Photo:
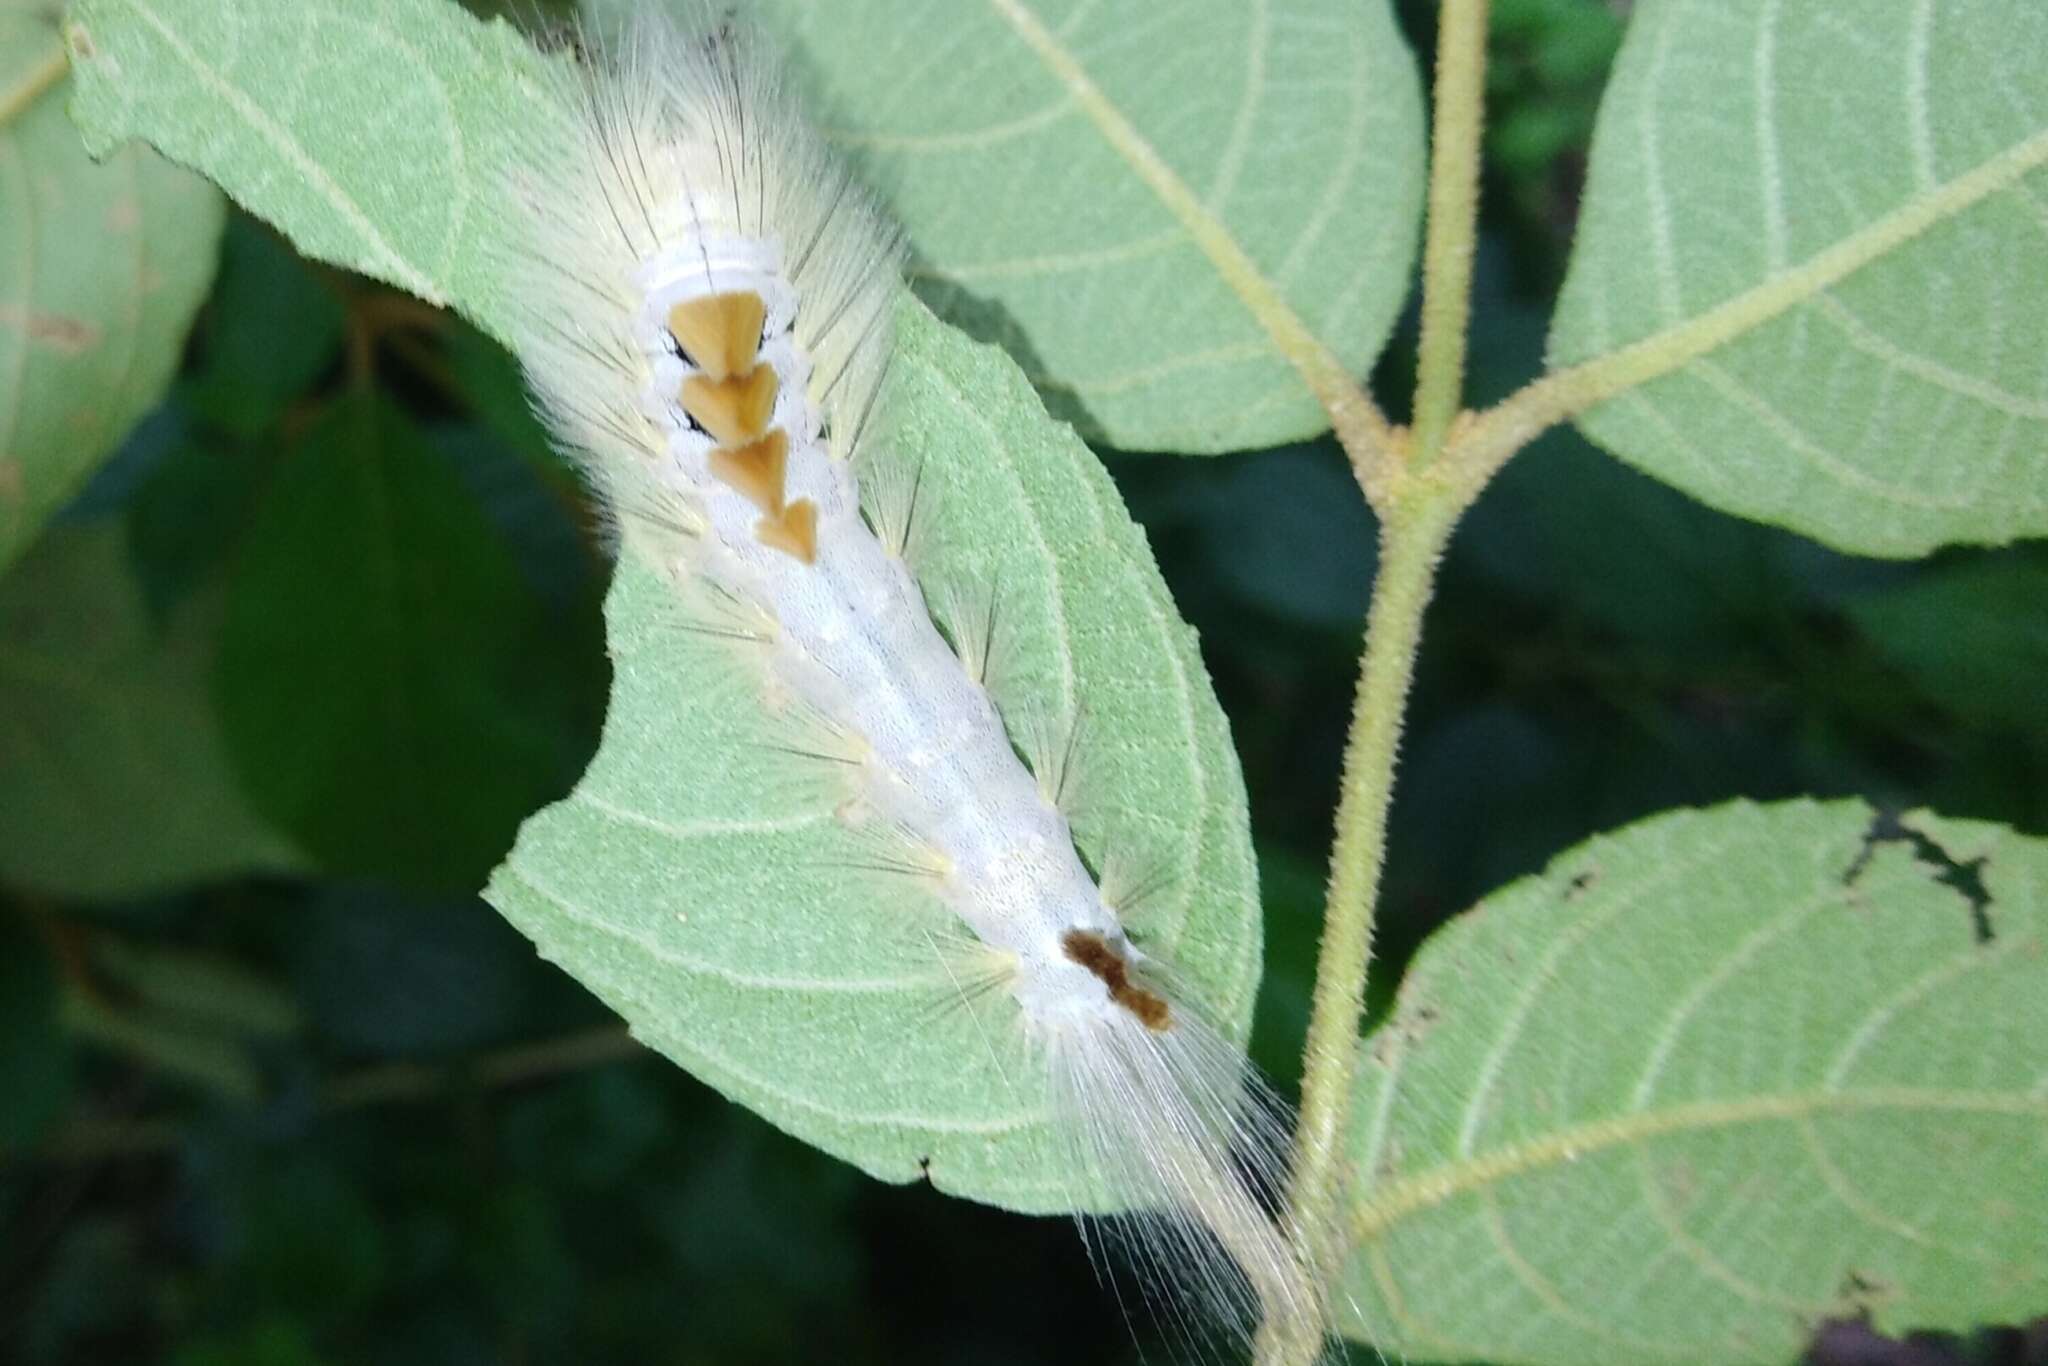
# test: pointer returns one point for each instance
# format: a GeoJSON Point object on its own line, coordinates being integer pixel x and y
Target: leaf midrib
{"type": "Point", "coordinates": [1561, 394]}
{"type": "Point", "coordinates": [1385, 1206]}
{"type": "Point", "coordinates": [1321, 371]}
{"type": "Point", "coordinates": [39, 79]}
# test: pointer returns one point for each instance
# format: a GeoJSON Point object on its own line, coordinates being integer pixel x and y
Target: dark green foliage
{"type": "Point", "coordinates": [271, 329]}
{"type": "Point", "coordinates": [386, 678]}
{"type": "Point", "coordinates": [384, 974]}
{"type": "Point", "coordinates": [35, 1054]}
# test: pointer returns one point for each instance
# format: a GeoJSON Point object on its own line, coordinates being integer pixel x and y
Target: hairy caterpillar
{"type": "Point", "coordinates": [704, 304]}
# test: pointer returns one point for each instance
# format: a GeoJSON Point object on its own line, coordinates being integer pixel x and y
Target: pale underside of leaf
{"type": "Point", "coordinates": [1192, 224]}
{"type": "Point", "coordinates": [1708, 1082]}
{"type": "Point", "coordinates": [702, 880]}
{"type": "Point", "coordinates": [698, 879]}
{"type": "Point", "coordinates": [371, 132]}
{"type": "Point", "coordinates": [101, 269]}
{"type": "Point", "coordinates": [1813, 267]}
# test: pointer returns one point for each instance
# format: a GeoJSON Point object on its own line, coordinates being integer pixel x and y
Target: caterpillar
{"type": "Point", "coordinates": [703, 300]}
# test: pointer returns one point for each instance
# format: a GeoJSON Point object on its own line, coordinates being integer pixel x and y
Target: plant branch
{"type": "Point", "coordinates": [1460, 111]}
{"type": "Point", "coordinates": [386, 1083]}
{"type": "Point", "coordinates": [1415, 527]}
{"type": "Point", "coordinates": [1358, 423]}
{"type": "Point", "coordinates": [1499, 432]}
{"type": "Point", "coordinates": [1419, 505]}
{"type": "Point", "coordinates": [1417, 511]}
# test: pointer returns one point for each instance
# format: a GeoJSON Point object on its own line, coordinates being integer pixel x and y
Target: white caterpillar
{"type": "Point", "coordinates": [705, 301]}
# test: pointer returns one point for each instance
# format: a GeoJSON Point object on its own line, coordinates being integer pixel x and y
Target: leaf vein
{"type": "Point", "coordinates": [1721, 973]}
{"type": "Point", "coordinates": [1972, 958]}
{"type": "Point", "coordinates": [1919, 108]}
{"type": "Point", "coordinates": [1235, 145]}
{"type": "Point", "coordinates": [1524, 1003]}
{"type": "Point", "coordinates": [704, 967]}
{"type": "Point", "coordinates": [1768, 158]}
{"type": "Point", "coordinates": [703, 828]}
{"type": "Point", "coordinates": [1409, 1195]}
{"type": "Point", "coordinates": [1867, 340]}
{"type": "Point", "coordinates": [1547, 1294]}
{"type": "Point", "coordinates": [1327, 377]}
{"type": "Point", "coordinates": [969, 138]}
{"type": "Point", "coordinates": [1850, 1198]}
{"type": "Point", "coordinates": [267, 128]}
{"type": "Point", "coordinates": [1768, 415]}
{"type": "Point", "coordinates": [1703, 1257]}
{"type": "Point", "coordinates": [1054, 263]}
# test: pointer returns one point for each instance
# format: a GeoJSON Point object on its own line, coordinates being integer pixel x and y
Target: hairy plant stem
{"type": "Point", "coordinates": [1417, 508]}
{"type": "Point", "coordinates": [1459, 115]}
{"type": "Point", "coordinates": [1419, 481]}
{"type": "Point", "coordinates": [1413, 532]}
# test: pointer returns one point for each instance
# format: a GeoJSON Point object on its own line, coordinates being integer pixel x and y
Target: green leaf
{"type": "Point", "coordinates": [1298, 135]}
{"type": "Point", "coordinates": [703, 889]}
{"type": "Point", "coordinates": [186, 516]}
{"type": "Point", "coordinates": [117, 780]}
{"type": "Point", "coordinates": [368, 131]}
{"type": "Point", "coordinates": [304, 1240]}
{"type": "Point", "coordinates": [192, 1051]}
{"type": "Point", "coordinates": [390, 975]}
{"type": "Point", "coordinates": [101, 268]}
{"type": "Point", "coordinates": [1297, 130]}
{"type": "Point", "coordinates": [36, 1062]}
{"type": "Point", "coordinates": [392, 692]}
{"type": "Point", "coordinates": [1708, 1081]}
{"type": "Point", "coordinates": [1564, 524]}
{"type": "Point", "coordinates": [1849, 214]}
{"type": "Point", "coordinates": [273, 328]}
{"type": "Point", "coordinates": [277, 1341]}
{"type": "Point", "coordinates": [195, 987]}
{"type": "Point", "coordinates": [96, 1276]}
{"type": "Point", "coordinates": [1971, 637]}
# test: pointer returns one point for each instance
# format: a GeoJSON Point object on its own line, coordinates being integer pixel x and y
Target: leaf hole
{"type": "Point", "coordinates": [1965, 879]}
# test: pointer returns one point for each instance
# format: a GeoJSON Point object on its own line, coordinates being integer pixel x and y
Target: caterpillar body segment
{"type": "Point", "coordinates": [704, 297]}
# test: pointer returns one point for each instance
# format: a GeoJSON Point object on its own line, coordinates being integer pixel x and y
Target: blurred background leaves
{"type": "Point", "coordinates": [101, 267]}
{"type": "Point", "coordinates": [276, 1090]}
